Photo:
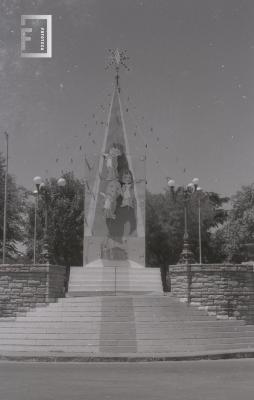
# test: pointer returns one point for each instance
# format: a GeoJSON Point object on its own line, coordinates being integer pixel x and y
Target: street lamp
{"type": "Point", "coordinates": [171, 184]}
{"type": "Point", "coordinates": [40, 189]}
{"type": "Point", "coordinates": [5, 194]}
{"type": "Point", "coordinates": [37, 181]}
{"type": "Point", "coordinates": [199, 190]}
{"type": "Point", "coordinates": [186, 256]}
{"type": "Point", "coordinates": [61, 182]}
{"type": "Point", "coordinates": [195, 182]}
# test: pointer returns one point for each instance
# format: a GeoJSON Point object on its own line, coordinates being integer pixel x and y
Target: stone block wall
{"type": "Point", "coordinates": [224, 290]}
{"type": "Point", "coordinates": [23, 287]}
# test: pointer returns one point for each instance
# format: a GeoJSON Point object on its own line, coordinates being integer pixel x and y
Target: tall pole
{"type": "Point", "coordinates": [5, 194]}
{"type": "Point", "coordinates": [84, 228]}
{"type": "Point", "coordinates": [199, 231]}
{"type": "Point", "coordinates": [186, 236]}
{"type": "Point", "coordinates": [35, 223]}
{"type": "Point", "coordinates": [186, 256]}
{"type": "Point", "coordinates": [45, 239]}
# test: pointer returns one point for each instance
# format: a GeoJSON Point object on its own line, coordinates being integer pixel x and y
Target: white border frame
{"type": "Point", "coordinates": [48, 17]}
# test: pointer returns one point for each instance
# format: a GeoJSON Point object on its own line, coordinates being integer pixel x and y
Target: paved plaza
{"type": "Point", "coordinates": [200, 380]}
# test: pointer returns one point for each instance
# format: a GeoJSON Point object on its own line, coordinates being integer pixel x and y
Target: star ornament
{"type": "Point", "coordinates": [118, 58]}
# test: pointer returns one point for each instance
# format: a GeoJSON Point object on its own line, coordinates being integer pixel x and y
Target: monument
{"type": "Point", "coordinates": [114, 223]}
{"type": "Point", "coordinates": [114, 228]}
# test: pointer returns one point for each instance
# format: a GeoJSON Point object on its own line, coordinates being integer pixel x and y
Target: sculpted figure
{"type": "Point", "coordinates": [128, 190]}
{"type": "Point", "coordinates": [111, 162]}
{"type": "Point", "coordinates": [113, 190]}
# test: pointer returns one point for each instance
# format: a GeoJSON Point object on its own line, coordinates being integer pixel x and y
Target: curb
{"type": "Point", "coordinates": [88, 358]}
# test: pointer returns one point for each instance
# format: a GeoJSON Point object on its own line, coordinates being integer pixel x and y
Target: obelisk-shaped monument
{"type": "Point", "coordinates": [115, 208]}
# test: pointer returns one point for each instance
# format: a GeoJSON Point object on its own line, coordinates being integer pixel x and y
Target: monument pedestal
{"type": "Point", "coordinates": [125, 252]}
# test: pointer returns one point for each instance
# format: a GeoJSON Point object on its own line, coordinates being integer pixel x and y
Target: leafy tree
{"type": "Point", "coordinates": [239, 228]}
{"type": "Point", "coordinates": [59, 222]}
{"type": "Point", "coordinates": [165, 225]}
{"type": "Point", "coordinates": [16, 209]}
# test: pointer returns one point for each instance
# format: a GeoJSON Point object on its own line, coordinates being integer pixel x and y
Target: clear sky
{"type": "Point", "coordinates": [190, 88]}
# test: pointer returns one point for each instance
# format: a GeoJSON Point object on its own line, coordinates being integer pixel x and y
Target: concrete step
{"type": "Point", "coordinates": [117, 288]}
{"type": "Point", "coordinates": [111, 314]}
{"type": "Point", "coordinates": [94, 349]}
{"type": "Point", "coordinates": [89, 304]}
{"type": "Point", "coordinates": [140, 325]}
{"type": "Point", "coordinates": [111, 293]}
{"type": "Point", "coordinates": [106, 273]}
{"type": "Point", "coordinates": [152, 336]}
{"type": "Point", "coordinates": [27, 341]}
{"type": "Point", "coordinates": [117, 282]}
{"type": "Point", "coordinates": [72, 348]}
{"type": "Point", "coordinates": [118, 278]}
{"type": "Point", "coordinates": [94, 282]}
{"type": "Point", "coordinates": [139, 314]}
{"type": "Point", "coordinates": [156, 299]}
{"type": "Point", "coordinates": [52, 326]}
{"type": "Point", "coordinates": [138, 310]}
{"type": "Point", "coordinates": [108, 276]}
{"type": "Point", "coordinates": [127, 269]}
{"type": "Point", "coordinates": [112, 287]}
{"type": "Point", "coordinates": [111, 319]}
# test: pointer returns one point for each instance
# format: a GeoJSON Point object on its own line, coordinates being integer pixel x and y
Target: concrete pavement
{"type": "Point", "coordinates": [200, 380]}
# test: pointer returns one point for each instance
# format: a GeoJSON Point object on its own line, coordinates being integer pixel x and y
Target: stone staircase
{"type": "Point", "coordinates": [135, 325]}
{"type": "Point", "coordinates": [114, 280]}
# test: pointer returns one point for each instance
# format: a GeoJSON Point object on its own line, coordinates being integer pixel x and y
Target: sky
{"type": "Point", "coordinates": [189, 93]}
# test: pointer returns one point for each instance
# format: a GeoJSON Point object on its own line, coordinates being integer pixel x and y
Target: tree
{"type": "Point", "coordinates": [16, 209]}
{"type": "Point", "coordinates": [60, 222]}
{"type": "Point", "coordinates": [239, 227]}
{"type": "Point", "coordinates": [165, 225]}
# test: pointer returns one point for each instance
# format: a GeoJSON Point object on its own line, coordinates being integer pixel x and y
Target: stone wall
{"type": "Point", "coordinates": [23, 287]}
{"type": "Point", "coordinates": [225, 290]}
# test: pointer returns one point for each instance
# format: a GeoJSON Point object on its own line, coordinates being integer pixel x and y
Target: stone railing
{"type": "Point", "coordinates": [224, 290]}
{"type": "Point", "coordinates": [23, 287]}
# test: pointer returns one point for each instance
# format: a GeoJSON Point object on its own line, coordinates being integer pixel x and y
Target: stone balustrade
{"type": "Point", "coordinates": [23, 287]}
{"type": "Point", "coordinates": [224, 290]}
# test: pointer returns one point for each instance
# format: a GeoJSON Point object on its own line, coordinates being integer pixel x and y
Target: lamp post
{"type": "Point", "coordinates": [61, 182]}
{"type": "Point", "coordinates": [199, 190]}
{"type": "Point", "coordinates": [85, 222]}
{"type": "Point", "coordinates": [45, 251]}
{"type": "Point", "coordinates": [41, 189]}
{"type": "Point", "coordinates": [186, 256]}
{"type": "Point", "coordinates": [201, 196]}
{"type": "Point", "coordinates": [5, 194]}
{"type": "Point", "coordinates": [37, 181]}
